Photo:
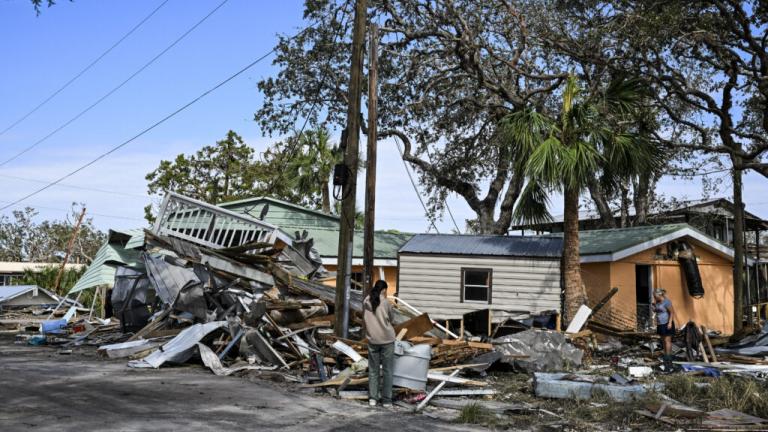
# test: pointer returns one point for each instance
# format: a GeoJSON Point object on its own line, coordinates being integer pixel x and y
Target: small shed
{"type": "Point", "coordinates": [447, 276]}
{"type": "Point", "coordinates": [21, 296]}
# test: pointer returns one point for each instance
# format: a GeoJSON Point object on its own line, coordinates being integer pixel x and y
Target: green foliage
{"type": "Point", "coordinates": [591, 137]}
{"type": "Point", "coordinates": [46, 278]}
{"type": "Point", "coordinates": [222, 172]}
{"type": "Point", "coordinates": [297, 170]}
{"type": "Point", "coordinates": [300, 169]}
{"type": "Point", "coordinates": [23, 239]}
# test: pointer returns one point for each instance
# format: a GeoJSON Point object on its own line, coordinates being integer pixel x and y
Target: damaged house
{"type": "Point", "coordinates": [323, 228]}
{"type": "Point", "coordinates": [448, 276]}
{"type": "Point", "coordinates": [695, 269]}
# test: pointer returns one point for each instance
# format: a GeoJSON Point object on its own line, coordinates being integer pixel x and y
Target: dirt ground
{"type": "Point", "coordinates": [43, 390]}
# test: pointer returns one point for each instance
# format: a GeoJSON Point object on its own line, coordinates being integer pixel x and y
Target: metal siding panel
{"type": "Point", "coordinates": [433, 284]}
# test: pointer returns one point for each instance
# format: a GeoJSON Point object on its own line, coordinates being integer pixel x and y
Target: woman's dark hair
{"type": "Point", "coordinates": [375, 295]}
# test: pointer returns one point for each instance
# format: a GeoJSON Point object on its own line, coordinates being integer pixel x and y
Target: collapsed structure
{"type": "Point", "coordinates": [239, 294]}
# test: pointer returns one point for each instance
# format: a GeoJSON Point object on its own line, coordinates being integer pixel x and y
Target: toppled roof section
{"type": "Point", "coordinates": [485, 245]}
{"type": "Point", "coordinates": [11, 292]}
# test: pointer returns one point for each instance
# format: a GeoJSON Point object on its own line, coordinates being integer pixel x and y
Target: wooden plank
{"type": "Point", "coordinates": [709, 344]}
{"type": "Point", "coordinates": [415, 326]}
{"type": "Point", "coordinates": [454, 379]}
{"type": "Point", "coordinates": [434, 392]}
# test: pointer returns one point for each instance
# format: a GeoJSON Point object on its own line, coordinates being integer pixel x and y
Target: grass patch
{"type": "Point", "coordinates": [737, 393]}
{"type": "Point", "coordinates": [475, 413]}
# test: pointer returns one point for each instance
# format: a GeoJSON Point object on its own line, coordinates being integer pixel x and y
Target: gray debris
{"type": "Point", "coordinates": [545, 351]}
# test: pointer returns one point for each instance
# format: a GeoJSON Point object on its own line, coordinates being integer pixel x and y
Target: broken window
{"type": "Point", "coordinates": [476, 285]}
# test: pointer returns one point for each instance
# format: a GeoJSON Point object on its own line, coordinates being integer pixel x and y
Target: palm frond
{"type": "Point", "coordinates": [581, 161]}
{"type": "Point", "coordinates": [525, 129]}
{"type": "Point", "coordinates": [546, 162]}
{"type": "Point", "coordinates": [625, 95]}
{"type": "Point", "coordinates": [532, 206]}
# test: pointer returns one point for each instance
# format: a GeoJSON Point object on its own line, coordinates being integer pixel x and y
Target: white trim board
{"type": "Point", "coordinates": [378, 262]}
{"type": "Point", "coordinates": [718, 247]}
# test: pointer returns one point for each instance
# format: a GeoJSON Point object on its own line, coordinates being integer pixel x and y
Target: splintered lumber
{"type": "Point", "coordinates": [451, 352]}
{"type": "Point", "coordinates": [323, 292]}
{"type": "Point", "coordinates": [158, 323]}
{"type": "Point", "coordinates": [236, 268]}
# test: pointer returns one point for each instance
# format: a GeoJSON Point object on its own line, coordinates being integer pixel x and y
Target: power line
{"type": "Point", "coordinates": [413, 183]}
{"type": "Point", "coordinates": [101, 99]}
{"type": "Point", "coordinates": [144, 131]}
{"type": "Point", "coordinates": [71, 186]}
{"type": "Point", "coordinates": [86, 69]}
{"type": "Point", "coordinates": [35, 206]}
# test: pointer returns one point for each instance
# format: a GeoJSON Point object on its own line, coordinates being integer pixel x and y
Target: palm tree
{"type": "Point", "coordinates": [312, 165]}
{"type": "Point", "coordinates": [592, 133]}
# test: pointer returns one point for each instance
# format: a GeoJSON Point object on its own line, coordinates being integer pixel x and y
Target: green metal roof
{"type": "Point", "coordinates": [385, 244]}
{"type": "Point", "coordinates": [100, 272]}
{"type": "Point", "coordinates": [283, 214]}
{"type": "Point", "coordinates": [606, 241]}
{"type": "Point", "coordinates": [323, 228]}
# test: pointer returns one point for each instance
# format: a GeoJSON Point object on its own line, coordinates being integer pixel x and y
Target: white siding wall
{"type": "Point", "coordinates": [432, 284]}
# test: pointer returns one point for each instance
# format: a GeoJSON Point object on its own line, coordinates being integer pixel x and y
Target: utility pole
{"type": "Point", "coordinates": [351, 149]}
{"type": "Point", "coordinates": [738, 247]}
{"type": "Point", "coordinates": [370, 170]}
{"type": "Point", "coordinates": [70, 243]}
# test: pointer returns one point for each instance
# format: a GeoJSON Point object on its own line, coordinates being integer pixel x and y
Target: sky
{"type": "Point", "coordinates": [41, 53]}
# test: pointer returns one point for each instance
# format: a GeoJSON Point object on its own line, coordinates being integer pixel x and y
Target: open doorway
{"type": "Point", "coordinates": [643, 284]}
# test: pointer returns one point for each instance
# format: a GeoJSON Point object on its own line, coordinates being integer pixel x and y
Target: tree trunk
{"type": "Point", "coordinates": [571, 268]}
{"type": "Point", "coordinates": [485, 222]}
{"type": "Point", "coordinates": [642, 191]}
{"type": "Point", "coordinates": [738, 249]}
{"type": "Point", "coordinates": [326, 196]}
{"type": "Point", "coordinates": [601, 202]}
{"type": "Point", "coordinates": [624, 204]}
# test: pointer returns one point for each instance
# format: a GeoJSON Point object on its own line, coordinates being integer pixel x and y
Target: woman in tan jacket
{"type": "Point", "coordinates": [377, 314]}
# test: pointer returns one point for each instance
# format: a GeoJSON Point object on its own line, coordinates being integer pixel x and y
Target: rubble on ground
{"type": "Point", "coordinates": [260, 307]}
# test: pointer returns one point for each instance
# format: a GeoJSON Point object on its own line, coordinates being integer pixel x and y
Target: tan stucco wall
{"type": "Point", "coordinates": [390, 275]}
{"type": "Point", "coordinates": [714, 310]}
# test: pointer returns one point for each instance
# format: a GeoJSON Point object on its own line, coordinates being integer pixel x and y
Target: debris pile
{"type": "Point", "coordinates": [242, 297]}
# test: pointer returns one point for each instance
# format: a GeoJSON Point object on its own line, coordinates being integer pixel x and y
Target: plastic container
{"type": "Point", "coordinates": [411, 365]}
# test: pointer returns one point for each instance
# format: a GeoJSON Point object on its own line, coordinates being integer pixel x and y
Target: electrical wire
{"type": "Point", "coordinates": [35, 206]}
{"type": "Point", "coordinates": [84, 70]}
{"type": "Point", "coordinates": [119, 86]}
{"type": "Point", "coordinates": [413, 183]}
{"type": "Point", "coordinates": [141, 133]}
{"type": "Point", "coordinates": [71, 186]}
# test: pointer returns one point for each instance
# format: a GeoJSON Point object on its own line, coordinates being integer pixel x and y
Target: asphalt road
{"type": "Point", "coordinates": [42, 390]}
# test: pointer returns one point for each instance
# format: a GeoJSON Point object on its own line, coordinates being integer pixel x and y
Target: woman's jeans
{"type": "Point", "coordinates": [380, 360]}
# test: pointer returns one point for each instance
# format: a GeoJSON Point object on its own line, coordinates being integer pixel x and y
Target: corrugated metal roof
{"type": "Point", "coordinates": [100, 272]}
{"type": "Point", "coordinates": [594, 242]}
{"type": "Point", "coordinates": [12, 291]}
{"type": "Point", "coordinates": [486, 245]}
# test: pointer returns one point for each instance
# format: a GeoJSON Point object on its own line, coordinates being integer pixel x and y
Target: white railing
{"type": "Point", "coordinates": [210, 226]}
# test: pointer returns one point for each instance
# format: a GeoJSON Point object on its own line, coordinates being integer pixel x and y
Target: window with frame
{"type": "Point", "coordinates": [476, 285]}
{"type": "Point", "coordinates": [356, 281]}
